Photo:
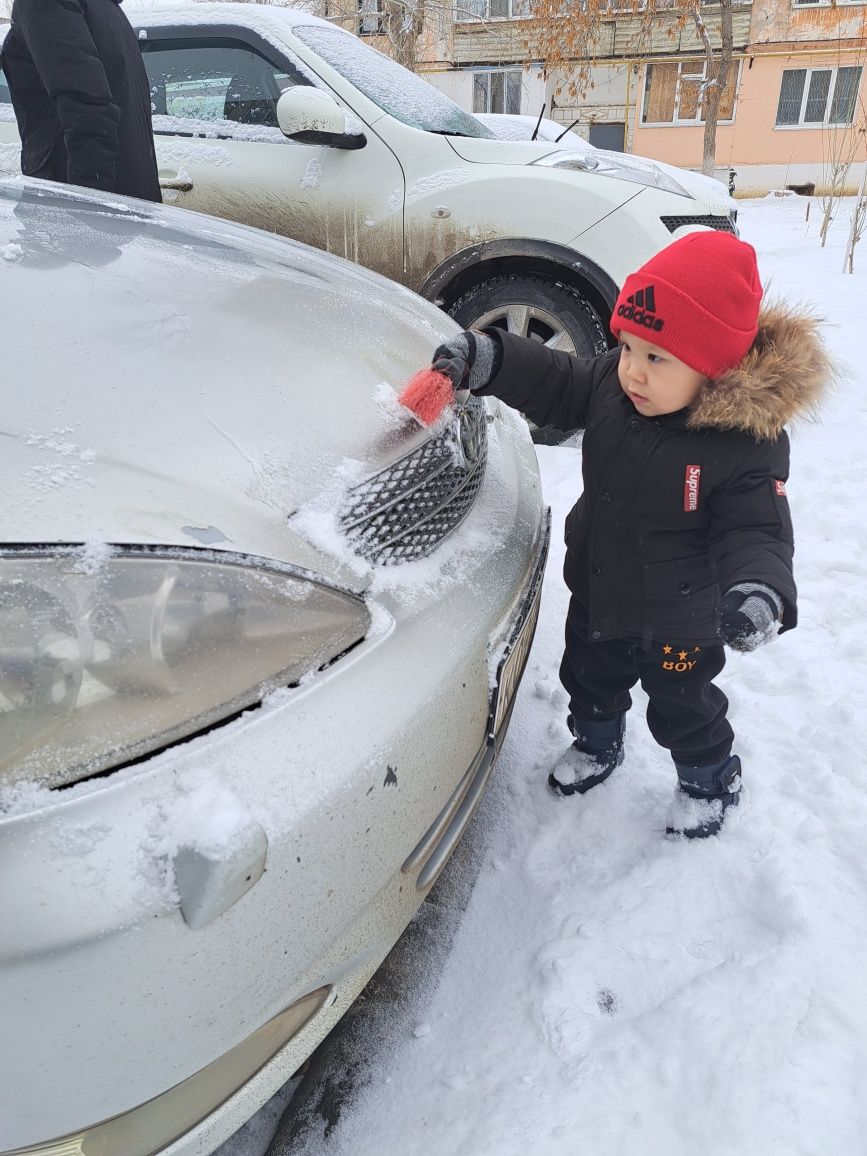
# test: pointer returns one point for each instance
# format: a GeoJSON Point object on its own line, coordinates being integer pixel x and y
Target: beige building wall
{"type": "Point", "coordinates": [763, 155]}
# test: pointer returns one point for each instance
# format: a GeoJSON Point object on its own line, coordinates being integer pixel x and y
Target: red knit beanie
{"type": "Point", "coordinates": [698, 299]}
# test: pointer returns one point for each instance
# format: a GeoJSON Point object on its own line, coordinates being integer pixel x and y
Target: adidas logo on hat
{"type": "Point", "coordinates": [640, 308]}
{"type": "Point", "coordinates": [710, 292]}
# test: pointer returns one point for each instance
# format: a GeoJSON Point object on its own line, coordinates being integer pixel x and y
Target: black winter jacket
{"type": "Point", "coordinates": [81, 96]}
{"type": "Point", "coordinates": [678, 508]}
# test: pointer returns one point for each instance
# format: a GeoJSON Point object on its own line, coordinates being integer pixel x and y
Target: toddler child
{"type": "Point", "coordinates": [681, 541]}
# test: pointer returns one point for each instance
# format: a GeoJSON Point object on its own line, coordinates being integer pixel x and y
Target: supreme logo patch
{"type": "Point", "coordinates": [691, 486]}
{"type": "Point", "coordinates": [780, 488]}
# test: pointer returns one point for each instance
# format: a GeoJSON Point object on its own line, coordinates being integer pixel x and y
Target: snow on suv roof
{"type": "Point", "coordinates": [258, 17]}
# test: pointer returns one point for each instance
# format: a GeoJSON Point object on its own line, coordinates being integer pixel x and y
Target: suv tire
{"type": "Point", "coordinates": [540, 308]}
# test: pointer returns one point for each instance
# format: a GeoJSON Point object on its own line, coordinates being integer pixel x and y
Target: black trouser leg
{"type": "Point", "coordinates": [687, 713]}
{"type": "Point", "coordinates": [597, 676]}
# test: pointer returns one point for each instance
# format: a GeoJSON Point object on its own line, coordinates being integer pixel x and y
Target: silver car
{"type": "Point", "coordinates": [260, 636]}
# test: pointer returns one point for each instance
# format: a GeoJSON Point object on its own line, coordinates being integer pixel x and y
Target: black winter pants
{"type": "Point", "coordinates": [687, 713]}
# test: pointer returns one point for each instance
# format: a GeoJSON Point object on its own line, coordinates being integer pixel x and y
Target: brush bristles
{"type": "Point", "coordinates": [427, 395]}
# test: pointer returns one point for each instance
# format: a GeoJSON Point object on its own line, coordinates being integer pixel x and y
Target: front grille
{"type": "Point", "coordinates": [724, 224]}
{"type": "Point", "coordinates": [406, 510]}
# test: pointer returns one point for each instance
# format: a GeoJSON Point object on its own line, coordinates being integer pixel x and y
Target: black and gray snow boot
{"type": "Point", "coordinates": [596, 751]}
{"type": "Point", "coordinates": [703, 796]}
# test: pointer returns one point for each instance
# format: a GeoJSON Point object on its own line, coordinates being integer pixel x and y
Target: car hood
{"type": "Point", "coordinates": [176, 379]}
{"type": "Point", "coordinates": [487, 151]}
{"type": "Point", "coordinates": [710, 191]}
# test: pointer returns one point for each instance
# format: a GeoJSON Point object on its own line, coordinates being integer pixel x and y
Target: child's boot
{"type": "Point", "coordinates": [703, 796]}
{"type": "Point", "coordinates": [596, 751]}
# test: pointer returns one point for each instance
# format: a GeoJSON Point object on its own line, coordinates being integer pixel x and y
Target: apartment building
{"type": "Point", "coordinates": [794, 105]}
{"type": "Point", "coordinates": [479, 57]}
{"type": "Point", "coordinates": [794, 110]}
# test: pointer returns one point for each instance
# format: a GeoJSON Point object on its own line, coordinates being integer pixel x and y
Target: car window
{"type": "Point", "coordinates": [388, 84]}
{"type": "Point", "coordinates": [214, 81]}
{"type": "Point", "coordinates": [5, 98]}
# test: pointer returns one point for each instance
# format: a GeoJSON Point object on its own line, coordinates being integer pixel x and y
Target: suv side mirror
{"type": "Point", "coordinates": [310, 116]}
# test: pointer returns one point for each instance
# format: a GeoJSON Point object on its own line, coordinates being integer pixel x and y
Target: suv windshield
{"type": "Point", "coordinates": [394, 88]}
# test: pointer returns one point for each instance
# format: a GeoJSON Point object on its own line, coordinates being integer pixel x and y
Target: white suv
{"type": "Point", "coordinates": [274, 118]}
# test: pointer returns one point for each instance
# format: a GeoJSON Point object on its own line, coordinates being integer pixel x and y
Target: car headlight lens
{"type": "Point", "coordinates": [103, 661]}
{"type": "Point", "coordinates": [638, 170]}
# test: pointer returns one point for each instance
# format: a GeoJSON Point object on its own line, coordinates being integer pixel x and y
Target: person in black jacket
{"type": "Point", "coordinates": [81, 96]}
{"type": "Point", "coordinates": [681, 540]}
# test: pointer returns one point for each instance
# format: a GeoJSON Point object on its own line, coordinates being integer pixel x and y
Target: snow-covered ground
{"type": "Point", "coordinates": [611, 991]}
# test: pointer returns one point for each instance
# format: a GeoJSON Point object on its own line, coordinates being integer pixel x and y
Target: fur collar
{"type": "Point", "coordinates": [782, 376]}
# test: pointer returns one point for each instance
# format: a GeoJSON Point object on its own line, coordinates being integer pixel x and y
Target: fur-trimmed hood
{"type": "Point", "coordinates": [782, 376]}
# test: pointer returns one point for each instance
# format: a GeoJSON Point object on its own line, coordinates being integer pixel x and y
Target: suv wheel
{"type": "Point", "coordinates": [539, 308]}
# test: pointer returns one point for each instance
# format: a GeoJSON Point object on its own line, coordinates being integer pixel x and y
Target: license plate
{"type": "Point", "coordinates": [517, 650]}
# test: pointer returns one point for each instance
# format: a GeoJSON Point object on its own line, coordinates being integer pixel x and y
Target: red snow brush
{"type": "Point", "coordinates": [427, 395]}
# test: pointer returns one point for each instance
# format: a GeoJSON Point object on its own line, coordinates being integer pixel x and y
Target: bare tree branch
{"type": "Point", "coordinates": [570, 39]}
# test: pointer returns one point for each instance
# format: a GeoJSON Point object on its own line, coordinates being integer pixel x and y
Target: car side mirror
{"type": "Point", "coordinates": [310, 116]}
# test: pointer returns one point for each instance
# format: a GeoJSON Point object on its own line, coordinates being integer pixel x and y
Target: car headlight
{"type": "Point", "coordinates": [638, 170]}
{"type": "Point", "coordinates": [104, 659]}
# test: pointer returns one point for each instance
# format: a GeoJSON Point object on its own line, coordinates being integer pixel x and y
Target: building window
{"type": "Point", "coordinates": [491, 9]}
{"type": "Point", "coordinates": [498, 91]}
{"type": "Point", "coordinates": [672, 94]}
{"type": "Point", "coordinates": [370, 18]}
{"type": "Point", "coordinates": [817, 96]}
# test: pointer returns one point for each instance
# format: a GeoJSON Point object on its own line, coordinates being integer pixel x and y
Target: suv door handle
{"type": "Point", "coordinates": [182, 182]}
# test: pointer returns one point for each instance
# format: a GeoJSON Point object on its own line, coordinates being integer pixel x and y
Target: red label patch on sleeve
{"type": "Point", "coordinates": [779, 488]}
{"type": "Point", "coordinates": [691, 486]}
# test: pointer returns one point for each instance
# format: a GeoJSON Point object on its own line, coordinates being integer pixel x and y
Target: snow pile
{"type": "Point", "coordinates": [10, 156]}
{"type": "Point", "coordinates": [312, 174]}
{"type": "Point", "coordinates": [615, 992]}
{"type": "Point", "coordinates": [510, 126]}
{"type": "Point", "coordinates": [92, 556]}
{"type": "Point", "coordinates": [437, 183]}
{"type": "Point", "coordinates": [182, 152]}
{"type": "Point", "coordinates": [209, 818]}
{"type": "Point", "coordinates": [319, 519]}
{"type": "Point", "coordinates": [66, 461]}
{"type": "Point", "coordinates": [409, 583]}
{"type": "Point", "coordinates": [214, 125]}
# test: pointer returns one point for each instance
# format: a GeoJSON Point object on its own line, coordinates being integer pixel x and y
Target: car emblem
{"type": "Point", "coordinates": [469, 437]}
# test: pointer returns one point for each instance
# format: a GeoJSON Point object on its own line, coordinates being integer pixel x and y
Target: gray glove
{"type": "Point", "coordinates": [467, 360]}
{"type": "Point", "coordinates": [749, 615]}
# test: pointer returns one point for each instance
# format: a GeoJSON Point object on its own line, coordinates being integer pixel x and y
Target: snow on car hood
{"type": "Point", "coordinates": [515, 126]}
{"type": "Point", "coordinates": [171, 378]}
